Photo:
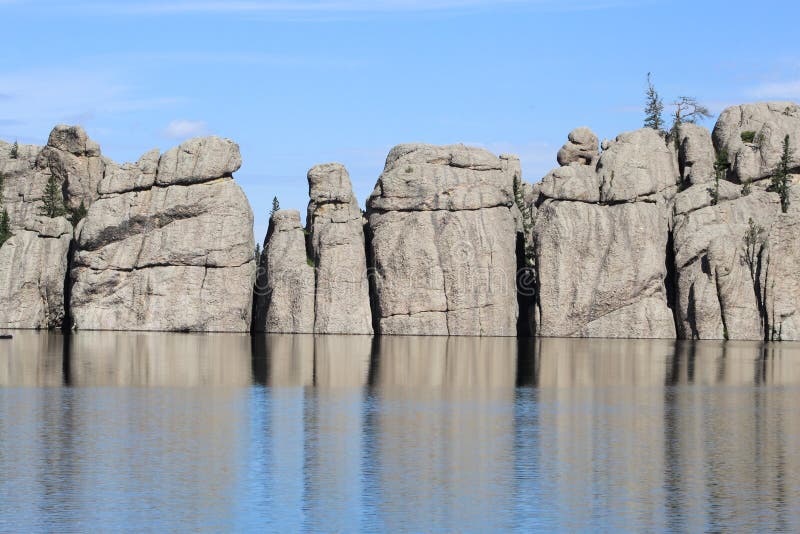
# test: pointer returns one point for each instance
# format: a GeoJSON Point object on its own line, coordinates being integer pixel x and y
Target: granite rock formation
{"type": "Point", "coordinates": [752, 135]}
{"type": "Point", "coordinates": [601, 235]}
{"type": "Point", "coordinates": [34, 261]}
{"type": "Point", "coordinates": [443, 242]}
{"type": "Point", "coordinates": [167, 245]}
{"type": "Point", "coordinates": [285, 286]}
{"type": "Point", "coordinates": [336, 234]}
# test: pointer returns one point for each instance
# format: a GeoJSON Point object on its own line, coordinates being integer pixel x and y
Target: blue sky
{"type": "Point", "coordinates": [301, 82]}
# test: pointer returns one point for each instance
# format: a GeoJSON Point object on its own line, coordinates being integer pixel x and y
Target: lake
{"type": "Point", "coordinates": [219, 432]}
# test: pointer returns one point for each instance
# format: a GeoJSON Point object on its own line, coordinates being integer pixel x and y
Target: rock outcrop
{"type": "Point", "coordinates": [581, 147]}
{"type": "Point", "coordinates": [168, 245]}
{"type": "Point", "coordinates": [34, 261]}
{"type": "Point", "coordinates": [443, 242]}
{"type": "Point", "coordinates": [285, 286]}
{"type": "Point", "coordinates": [601, 235]}
{"type": "Point", "coordinates": [752, 135]}
{"type": "Point", "coordinates": [336, 230]}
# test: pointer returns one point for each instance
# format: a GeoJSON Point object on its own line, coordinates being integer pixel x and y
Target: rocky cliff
{"type": "Point", "coordinates": [168, 245]}
{"type": "Point", "coordinates": [647, 235]}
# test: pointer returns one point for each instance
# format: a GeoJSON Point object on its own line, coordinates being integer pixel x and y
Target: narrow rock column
{"type": "Point", "coordinates": [285, 287]}
{"type": "Point", "coordinates": [336, 228]}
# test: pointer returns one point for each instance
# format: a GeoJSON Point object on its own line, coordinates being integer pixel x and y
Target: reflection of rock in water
{"type": "Point", "coordinates": [32, 359]}
{"type": "Point", "coordinates": [334, 415]}
{"type": "Point", "coordinates": [444, 419]}
{"type": "Point", "coordinates": [160, 359]}
{"type": "Point", "coordinates": [283, 360]}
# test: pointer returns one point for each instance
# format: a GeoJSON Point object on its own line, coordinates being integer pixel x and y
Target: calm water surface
{"type": "Point", "coordinates": [143, 431]}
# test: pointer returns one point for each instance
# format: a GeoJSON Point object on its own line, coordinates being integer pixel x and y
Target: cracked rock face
{"type": "Point", "coordinates": [767, 123]}
{"type": "Point", "coordinates": [33, 263]}
{"type": "Point", "coordinates": [717, 296]}
{"type": "Point", "coordinates": [336, 228]}
{"type": "Point", "coordinates": [696, 155]}
{"type": "Point", "coordinates": [285, 286]}
{"type": "Point", "coordinates": [444, 242]}
{"type": "Point", "coordinates": [601, 237]}
{"type": "Point", "coordinates": [171, 251]}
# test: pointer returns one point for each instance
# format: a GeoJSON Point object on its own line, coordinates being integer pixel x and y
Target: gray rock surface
{"type": "Point", "coordinates": [168, 257]}
{"type": "Point", "coordinates": [716, 290]}
{"type": "Point", "coordinates": [33, 263]}
{"type": "Point", "coordinates": [601, 270]}
{"type": "Point", "coordinates": [444, 242]}
{"type": "Point", "coordinates": [637, 164]}
{"type": "Point", "coordinates": [336, 229]}
{"type": "Point", "coordinates": [285, 286]}
{"type": "Point", "coordinates": [696, 155]}
{"type": "Point", "coordinates": [770, 122]}
{"type": "Point", "coordinates": [581, 147]}
{"type": "Point", "coordinates": [600, 236]}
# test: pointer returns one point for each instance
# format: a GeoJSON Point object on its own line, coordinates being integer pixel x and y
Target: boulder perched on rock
{"type": "Point", "coordinates": [696, 155]}
{"type": "Point", "coordinates": [601, 236]}
{"type": "Point", "coordinates": [637, 164]}
{"type": "Point", "coordinates": [173, 251]}
{"type": "Point", "coordinates": [336, 229]}
{"type": "Point", "coordinates": [752, 135]}
{"type": "Point", "coordinates": [284, 296]}
{"type": "Point", "coordinates": [581, 147]}
{"type": "Point", "coordinates": [443, 242]}
{"type": "Point", "coordinates": [33, 262]}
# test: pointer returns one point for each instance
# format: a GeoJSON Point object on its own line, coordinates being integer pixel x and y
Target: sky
{"type": "Point", "coordinates": [302, 82]}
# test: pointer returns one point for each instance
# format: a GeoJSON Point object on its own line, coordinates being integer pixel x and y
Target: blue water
{"type": "Point", "coordinates": [180, 432]}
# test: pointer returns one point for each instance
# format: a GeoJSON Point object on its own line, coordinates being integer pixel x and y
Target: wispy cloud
{"type": "Point", "coordinates": [182, 129]}
{"type": "Point", "coordinates": [34, 100]}
{"type": "Point", "coordinates": [790, 89]}
{"type": "Point", "coordinates": [345, 6]}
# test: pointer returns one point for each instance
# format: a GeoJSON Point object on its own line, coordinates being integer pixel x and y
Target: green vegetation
{"type": "Point", "coordinates": [746, 188]}
{"type": "Point", "coordinates": [753, 241]}
{"type": "Point", "coordinates": [5, 221]}
{"type": "Point", "coordinates": [748, 136]}
{"type": "Point", "coordinates": [409, 169]}
{"type": "Point", "coordinates": [53, 200]}
{"type": "Point", "coordinates": [780, 178]}
{"type": "Point", "coordinates": [76, 214]}
{"type": "Point", "coordinates": [14, 150]}
{"type": "Point", "coordinates": [721, 166]}
{"type": "Point", "coordinates": [275, 205]}
{"type": "Point", "coordinates": [653, 108]}
{"type": "Point", "coordinates": [527, 219]}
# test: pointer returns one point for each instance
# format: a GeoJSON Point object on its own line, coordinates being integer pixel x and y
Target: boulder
{"type": "Point", "coordinates": [696, 155]}
{"type": "Point", "coordinates": [637, 164]}
{"type": "Point", "coordinates": [581, 148]}
{"type": "Point", "coordinates": [336, 229]}
{"type": "Point", "coordinates": [752, 135]}
{"type": "Point", "coordinates": [284, 296]}
{"type": "Point", "coordinates": [168, 257]}
{"type": "Point", "coordinates": [443, 242]}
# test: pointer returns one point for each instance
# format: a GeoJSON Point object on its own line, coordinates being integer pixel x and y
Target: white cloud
{"type": "Point", "coordinates": [182, 129]}
{"type": "Point", "coordinates": [789, 89]}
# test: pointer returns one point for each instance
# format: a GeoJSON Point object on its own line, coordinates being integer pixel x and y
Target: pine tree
{"type": "Point", "coordinates": [76, 214]}
{"type": "Point", "coordinates": [53, 199]}
{"type": "Point", "coordinates": [780, 178]}
{"type": "Point", "coordinates": [721, 166]}
{"type": "Point", "coordinates": [275, 205]}
{"type": "Point", "coordinates": [527, 219]}
{"type": "Point", "coordinates": [654, 107]}
{"type": "Point", "coordinates": [14, 150]}
{"type": "Point", "coordinates": [5, 227]}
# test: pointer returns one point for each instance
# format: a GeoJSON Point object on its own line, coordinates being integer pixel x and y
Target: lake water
{"type": "Point", "coordinates": [147, 431]}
